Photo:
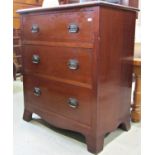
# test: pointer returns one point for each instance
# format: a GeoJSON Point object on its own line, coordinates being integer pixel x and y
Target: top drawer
{"type": "Point", "coordinates": [59, 26]}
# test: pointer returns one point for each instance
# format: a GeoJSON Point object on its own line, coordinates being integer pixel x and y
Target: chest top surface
{"type": "Point", "coordinates": [77, 5]}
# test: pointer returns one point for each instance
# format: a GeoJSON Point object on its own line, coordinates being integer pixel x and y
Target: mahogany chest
{"type": "Point", "coordinates": [77, 66]}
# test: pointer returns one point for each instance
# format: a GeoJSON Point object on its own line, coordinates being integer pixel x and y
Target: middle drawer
{"type": "Point", "coordinates": [72, 64]}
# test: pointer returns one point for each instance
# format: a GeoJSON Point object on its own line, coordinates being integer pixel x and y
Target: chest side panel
{"type": "Point", "coordinates": [117, 29]}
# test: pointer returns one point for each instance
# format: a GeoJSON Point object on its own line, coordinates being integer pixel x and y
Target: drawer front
{"type": "Point", "coordinates": [72, 64]}
{"type": "Point", "coordinates": [66, 100]}
{"type": "Point", "coordinates": [59, 26]}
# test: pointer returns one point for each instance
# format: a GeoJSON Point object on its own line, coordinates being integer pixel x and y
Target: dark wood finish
{"type": "Point", "coordinates": [59, 23]}
{"type": "Point", "coordinates": [103, 90]}
{"type": "Point", "coordinates": [55, 98]}
{"type": "Point", "coordinates": [58, 58]}
{"type": "Point", "coordinates": [19, 4]}
{"type": "Point", "coordinates": [27, 115]}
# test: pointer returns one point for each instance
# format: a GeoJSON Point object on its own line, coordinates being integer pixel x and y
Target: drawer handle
{"type": "Point", "coordinates": [73, 64]}
{"type": "Point", "coordinates": [73, 28]}
{"type": "Point", "coordinates": [37, 91]}
{"type": "Point", "coordinates": [35, 59]}
{"type": "Point", "coordinates": [35, 28]}
{"type": "Point", "coordinates": [73, 102]}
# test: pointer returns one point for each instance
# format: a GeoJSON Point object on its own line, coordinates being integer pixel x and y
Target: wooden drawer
{"type": "Point", "coordinates": [66, 100]}
{"type": "Point", "coordinates": [66, 64]}
{"type": "Point", "coordinates": [59, 27]}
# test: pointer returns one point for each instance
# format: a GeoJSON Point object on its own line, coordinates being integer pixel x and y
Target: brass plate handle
{"type": "Point", "coordinates": [35, 59]}
{"type": "Point", "coordinates": [37, 91]}
{"type": "Point", "coordinates": [73, 28]}
{"type": "Point", "coordinates": [35, 28]}
{"type": "Point", "coordinates": [73, 103]}
{"type": "Point", "coordinates": [73, 64]}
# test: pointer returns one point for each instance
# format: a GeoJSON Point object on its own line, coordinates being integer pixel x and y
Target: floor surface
{"type": "Point", "coordinates": [39, 138]}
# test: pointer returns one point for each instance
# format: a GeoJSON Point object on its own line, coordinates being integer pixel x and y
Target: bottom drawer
{"type": "Point", "coordinates": [71, 102]}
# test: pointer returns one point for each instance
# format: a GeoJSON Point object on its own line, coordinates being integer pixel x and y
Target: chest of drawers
{"type": "Point", "coordinates": [77, 66]}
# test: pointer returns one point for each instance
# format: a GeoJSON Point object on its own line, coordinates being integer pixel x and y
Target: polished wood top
{"type": "Point", "coordinates": [78, 5]}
